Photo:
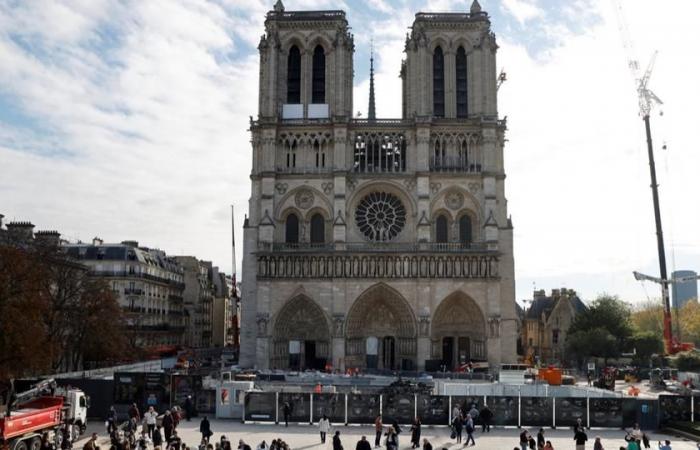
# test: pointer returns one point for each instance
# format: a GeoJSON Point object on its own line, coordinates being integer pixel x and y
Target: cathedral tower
{"type": "Point", "coordinates": [377, 243]}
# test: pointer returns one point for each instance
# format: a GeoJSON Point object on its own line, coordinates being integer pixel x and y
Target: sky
{"type": "Point", "coordinates": [128, 120]}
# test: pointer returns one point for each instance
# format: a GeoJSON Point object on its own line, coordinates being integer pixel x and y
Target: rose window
{"type": "Point", "coordinates": [380, 216]}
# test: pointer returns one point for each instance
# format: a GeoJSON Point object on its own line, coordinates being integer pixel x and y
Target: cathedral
{"type": "Point", "coordinates": [377, 243]}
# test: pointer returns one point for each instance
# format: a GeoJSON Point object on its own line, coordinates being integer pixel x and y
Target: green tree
{"type": "Point", "coordinates": [611, 317]}
{"type": "Point", "coordinates": [646, 344]}
{"type": "Point", "coordinates": [597, 342]}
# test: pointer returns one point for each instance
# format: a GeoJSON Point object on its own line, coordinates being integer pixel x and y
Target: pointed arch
{"type": "Point", "coordinates": [301, 320]}
{"type": "Point", "coordinates": [294, 75]}
{"type": "Point", "coordinates": [318, 75]}
{"type": "Point", "coordinates": [458, 330]}
{"type": "Point", "coordinates": [461, 80]}
{"type": "Point", "coordinates": [438, 82]}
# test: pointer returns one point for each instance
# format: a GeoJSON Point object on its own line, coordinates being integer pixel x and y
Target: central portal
{"type": "Point", "coordinates": [380, 331]}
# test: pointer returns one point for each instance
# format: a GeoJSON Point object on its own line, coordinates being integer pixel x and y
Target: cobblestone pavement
{"type": "Point", "coordinates": [303, 437]}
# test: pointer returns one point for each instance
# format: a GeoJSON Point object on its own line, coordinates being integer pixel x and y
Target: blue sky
{"type": "Point", "coordinates": [128, 120]}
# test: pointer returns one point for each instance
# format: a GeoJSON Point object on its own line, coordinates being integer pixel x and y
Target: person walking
{"type": "Point", "coordinates": [457, 428]}
{"type": "Point", "coordinates": [540, 439]}
{"type": "Point", "coordinates": [392, 439]}
{"type": "Point", "coordinates": [286, 411]}
{"type": "Point", "coordinates": [363, 444]}
{"type": "Point", "coordinates": [263, 446]}
{"type": "Point", "coordinates": [469, 428]}
{"type": "Point", "coordinates": [91, 444]}
{"type": "Point", "coordinates": [486, 415]}
{"type": "Point", "coordinates": [168, 425]}
{"type": "Point", "coordinates": [597, 445]}
{"type": "Point", "coordinates": [666, 445]}
{"type": "Point", "coordinates": [337, 445]}
{"type": "Point", "coordinates": [645, 440]}
{"type": "Point", "coordinates": [427, 445]}
{"type": "Point", "coordinates": [189, 408]}
{"type": "Point", "coordinates": [112, 421]}
{"type": "Point", "coordinates": [378, 429]}
{"type": "Point", "coordinates": [134, 412]}
{"type": "Point", "coordinates": [580, 438]}
{"type": "Point", "coordinates": [548, 445]}
{"type": "Point", "coordinates": [324, 426]}
{"type": "Point", "coordinates": [157, 437]}
{"type": "Point", "coordinates": [205, 429]}
{"type": "Point", "coordinates": [150, 418]}
{"type": "Point", "coordinates": [524, 438]}
{"type": "Point", "coordinates": [415, 433]}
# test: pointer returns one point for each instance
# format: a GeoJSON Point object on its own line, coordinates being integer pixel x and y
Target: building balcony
{"type": "Point", "coordinates": [378, 260]}
{"type": "Point", "coordinates": [143, 276]}
{"type": "Point", "coordinates": [128, 291]}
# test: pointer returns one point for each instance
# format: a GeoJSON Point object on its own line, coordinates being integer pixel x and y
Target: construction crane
{"type": "Point", "coordinates": [647, 99]}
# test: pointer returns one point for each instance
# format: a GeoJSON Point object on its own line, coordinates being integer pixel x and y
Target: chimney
{"type": "Point", "coordinates": [23, 231]}
{"type": "Point", "coordinates": [48, 237]}
{"type": "Point", "coordinates": [134, 244]}
{"type": "Point", "coordinates": [97, 241]}
{"type": "Point", "coordinates": [555, 293]}
{"type": "Point", "coordinates": [538, 294]}
{"type": "Point", "coordinates": [1, 217]}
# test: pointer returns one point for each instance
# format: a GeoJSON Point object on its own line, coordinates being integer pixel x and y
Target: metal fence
{"type": "Point", "coordinates": [508, 410]}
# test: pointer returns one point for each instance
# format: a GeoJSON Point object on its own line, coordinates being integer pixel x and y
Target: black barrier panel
{"type": "Point", "coordinates": [399, 407]}
{"type": "Point", "coordinates": [99, 391]}
{"type": "Point", "coordinates": [206, 401]}
{"type": "Point", "coordinates": [362, 408]}
{"type": "Point", "coordinates": [696, 400]}
{"type": "Point", "coordinates": [332, 405]}
{"type": "Point", "coordinates": [182, 386]}
{"type": "Point", "coordinates": [674, 408]}
{"type": "Point", "coordinates": [629, 412]}
{"type": "Point", "coordinates": [465, 403]}
{"type": "Point", "coordinates": [504, 409]}
{"type": "Point", "coordinates": [568, 410]}
{"type": "Point", "coordinates": [606, 412]}
{"type": "Point", "coordinates": [299, 404]}
{"type": "Point", "coordinates": [434, 409]}
{"type": "Point", "coordinates": [536, 411]}
{"type": "Point", "coordinates": [260, 406]}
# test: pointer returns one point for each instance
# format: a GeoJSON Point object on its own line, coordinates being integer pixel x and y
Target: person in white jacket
{"type": "Point", "coordinates": [150, 418]}
{"type": "Point", "coordinates": [324, 426]}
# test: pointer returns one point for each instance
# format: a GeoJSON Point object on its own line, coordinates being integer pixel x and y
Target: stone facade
{"type": "Point", "coordinates": [546, 322]}
{"type": "Point", "coordinates": [377, 243]}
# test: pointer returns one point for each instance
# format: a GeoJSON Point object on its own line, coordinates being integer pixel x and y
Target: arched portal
{"type": "Point", "coordinates": [381, 331]}
{"type": "Point", "coordinates": [301, 336]}
{"type": "Point", "coordinates": [458, 331]}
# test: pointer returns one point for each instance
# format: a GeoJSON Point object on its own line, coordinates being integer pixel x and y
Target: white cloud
{"type": "Point", "coordinates": [522, 10]}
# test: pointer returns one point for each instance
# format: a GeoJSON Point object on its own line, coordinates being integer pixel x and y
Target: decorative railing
{"type": "Point", "coordinates": [453, 164]}
{"type": "Point", "coordinates": [304, 266]}
{"type": "Point", "coordinates": [375, 247]}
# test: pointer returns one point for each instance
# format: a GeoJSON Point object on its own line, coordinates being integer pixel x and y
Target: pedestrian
{"type": "Point", "coordinates": [486, 416]}
{"type": "Point", "coordinates": [578, 426]}
{"type": "Point", "coordinates": [157, 437]}
{"type": "Point", "coordinates": [427, 445]}
{"type": "Point", "coordinates": [112, 421]}
{"type": "Point", "coordinates": [324, 426]}
{"type": "Point", "coordinates": [397, 430]}
{"type": "Point", "coordinates": [242, 445]}
{"type": "Point", "coordinates": [363, 444]}
{"type": "Point", "coordinates": [637, 432]}
{"type": "Point", "coordinates": [150, 418]}
{"type": "Point", "coordinates": [91, 444]}
{"type": "Point", "coordinates": [597, 445]}
{"type": "Point", "coordinates": [226, 444]}
{"type": "Point", "coordinates": [524, 435]}
{"type": "Point", "coordinates": [392, 439]}
{"type": "Point", "coordinates": [378, 429]}
{"type": "Point", "coordinates": [540, 439]}
{"type": "Point", "coordinates": [469, 428]}
{"type": "Point", "coordinates": [531, 442]}
{"type": "Point", "coordinates": [205, 429]}
{"type": "Point", "coordinates": [474, 412]}
{"type": "Point", "coordinates": [134, 412]}
{"type": "Point", "coordinates": [337, 445]}
{"type": "Point", "coordinates": [455, 411]}
{"type": "Point", "coordinates": [666, 445]}
{"type": "Point", "coordinates": [188, 407]}
{"type": "Point", "coordinates": [457, 428]}
{"type": "Point", "coordinates": [176, 416]}
{"type": "Point", "coordinates": [144, 441]}
{"type": "Point", "coordinates": [168, 425]}
{"type": "Point", "coordinates": [548, 446]}
{"type": "Point", "coordinates": [286, 411]}
{"type": "Point", "coordinates": [174, 440]}
{"type": "Point", "coordinates": [580, 438]}
{"type": "Point", "coordinates": [263, 446]}
{"type": "Point", "coordinates": [415, 433]}
{"type": "Point", "coordinates": [645, 440]}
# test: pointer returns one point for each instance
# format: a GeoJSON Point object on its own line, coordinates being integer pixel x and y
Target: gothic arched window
{"type": "Point", "coordinates": [318, 232]}
{"type": "Point", "coordinates": [441, 229]}
{"type": "Point", "coordinates": [291, 229]}
{"type": "Point", "coordinates": [294, 75]}
{"type": "Point", "coordinates": [318, 80]}
{"type": "Point", "coordinates": [438, 83]}
{"type": "Point", "coordinates": [461, 66]}
{"type": "Point", "coordinates": [465, 230]}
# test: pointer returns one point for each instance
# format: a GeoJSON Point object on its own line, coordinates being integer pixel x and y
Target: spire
{"type": "Point", "coordinates": [476, 7]}
{"type": "Point", "coordinates": [279, 6]}
{"type": "Point", "coordinates": [371, 111]}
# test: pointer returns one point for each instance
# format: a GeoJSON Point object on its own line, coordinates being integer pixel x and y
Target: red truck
{"type": "Point", "coordinates": [30, 414]}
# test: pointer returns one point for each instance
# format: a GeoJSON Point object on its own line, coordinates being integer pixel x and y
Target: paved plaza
{"type": "Point", "coordinates": [303, 437]}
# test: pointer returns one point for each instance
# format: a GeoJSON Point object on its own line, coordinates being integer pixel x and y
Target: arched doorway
{"type": "Point", "coordinates": [301, 336]}
{"type": "Point", "coordinates": [458, 331]}
{"type": "Point", "coordinates": [381, 331]}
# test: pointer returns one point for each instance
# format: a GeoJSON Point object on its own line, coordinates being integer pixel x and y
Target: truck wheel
{"type": "Point", "coordinates": [20, 445]}
{"type": "Point", "coordinates": [34, 443]}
